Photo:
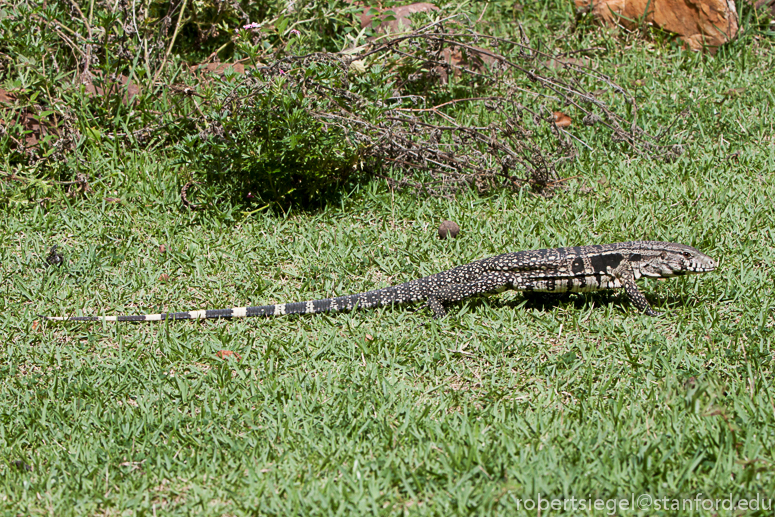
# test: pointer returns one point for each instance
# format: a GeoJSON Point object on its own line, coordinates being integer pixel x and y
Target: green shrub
{"type": "Point", "coordinates": [266, 130]}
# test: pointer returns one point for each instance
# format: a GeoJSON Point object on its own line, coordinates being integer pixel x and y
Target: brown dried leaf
{"type": "Point", "coordinates": [561, 119]}
{"type": "Point", "coordinates": [6, 96]}
{"type": "Point", "coordinates": [223, 354]}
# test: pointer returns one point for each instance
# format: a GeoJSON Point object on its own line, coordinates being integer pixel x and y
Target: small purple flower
{"type": "Point", "coordinates": [295, 32]}
{"type": "Point", "coordinates": [252, 26]}
{"type": "Point", "coordinates": [282, 72]}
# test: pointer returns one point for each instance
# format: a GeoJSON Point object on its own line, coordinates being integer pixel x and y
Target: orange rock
{"type": "Point", "coordinates": [700, 23]}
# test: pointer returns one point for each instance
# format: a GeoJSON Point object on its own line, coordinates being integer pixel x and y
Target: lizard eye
{"type": "Point", "coordinates": [687, 254]}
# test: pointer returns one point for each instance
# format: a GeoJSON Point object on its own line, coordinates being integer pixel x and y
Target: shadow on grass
{"type": "Point", "coordinates": [547, 302]}
{"type": "Point", "coordinates": [245, 192]}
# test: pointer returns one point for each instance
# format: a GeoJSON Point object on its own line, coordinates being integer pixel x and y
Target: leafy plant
{"type": "Point", "coordinates": [265, 129]}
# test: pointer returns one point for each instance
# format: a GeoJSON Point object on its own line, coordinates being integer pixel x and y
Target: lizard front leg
{"type": "Point", "coordinates": [637, 298]}
{"type": "Point", "coordinates": [624, 274]}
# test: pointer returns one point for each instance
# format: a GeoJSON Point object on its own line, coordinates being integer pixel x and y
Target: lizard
{"type": "Point", "coordinates": [556, 270]}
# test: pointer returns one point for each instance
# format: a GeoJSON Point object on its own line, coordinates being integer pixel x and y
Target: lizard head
{"type": "Point", "coordinates": [666, 259]}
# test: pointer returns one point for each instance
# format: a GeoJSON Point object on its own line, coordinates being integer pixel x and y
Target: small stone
{"type": "Point", "coordinates": [448, 229]}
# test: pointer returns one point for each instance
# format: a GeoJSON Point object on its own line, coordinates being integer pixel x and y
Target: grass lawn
{"type": "Point", "coordinates": [505, 400]}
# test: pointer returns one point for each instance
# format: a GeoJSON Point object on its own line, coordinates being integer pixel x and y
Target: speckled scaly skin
{"type": "Point", "coordinates": [558, 270]}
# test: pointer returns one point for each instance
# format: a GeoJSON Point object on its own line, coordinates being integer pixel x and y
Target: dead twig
{"type": "Point", "coordinates": [184, 198]}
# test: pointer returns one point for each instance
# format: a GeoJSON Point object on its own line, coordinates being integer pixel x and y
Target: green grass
{"type": "Point", "coordinates": [390, 411]}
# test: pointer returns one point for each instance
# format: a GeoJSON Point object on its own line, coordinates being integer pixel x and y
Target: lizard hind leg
{"type": "Point", "coordinates": [491, 282]}
{"type": "Point", "coordinates": [437, 307]}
